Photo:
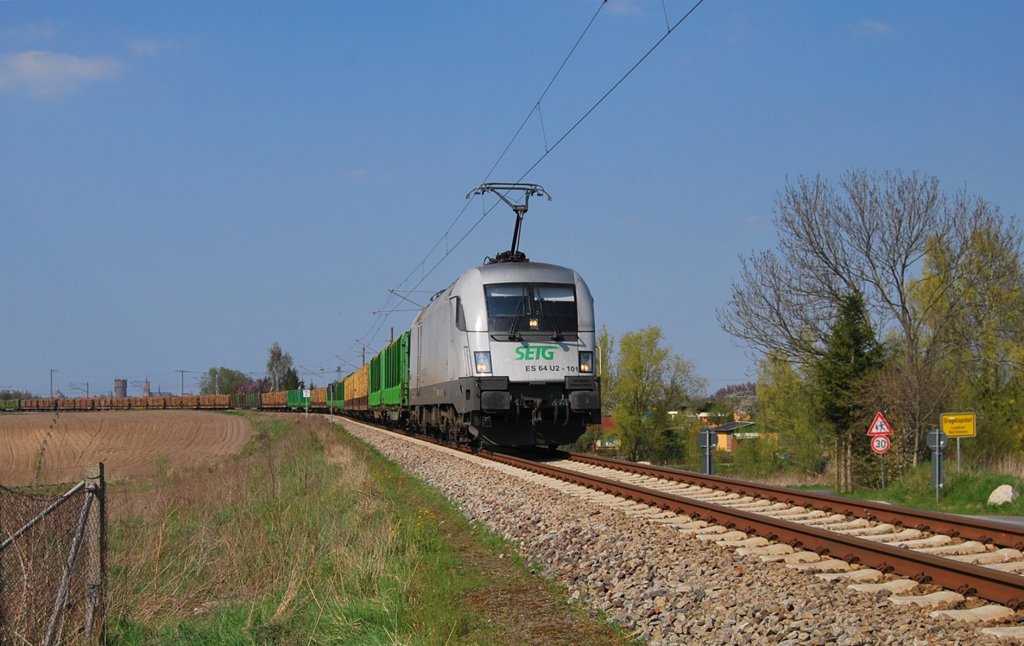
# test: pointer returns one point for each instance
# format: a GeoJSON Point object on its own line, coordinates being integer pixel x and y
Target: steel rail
{"type": "Point", "coordinates": [965, 578]}
{"type": "Point", "coordinates": [965, 527]}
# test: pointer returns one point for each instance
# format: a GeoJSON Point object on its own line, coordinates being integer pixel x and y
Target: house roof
{"type": "Point", "coordinates": [732, 427]}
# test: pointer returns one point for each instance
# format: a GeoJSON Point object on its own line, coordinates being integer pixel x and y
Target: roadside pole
{"type": "Point", "coordinates": [707, 439]}
{"type": "Point", "coordinates": [958, 425]}
{"type": "Point", "coordinates": [937, 442]}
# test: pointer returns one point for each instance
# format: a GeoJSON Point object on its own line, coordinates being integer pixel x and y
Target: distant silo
{"type": "Point", "coordinates": [120, 388]}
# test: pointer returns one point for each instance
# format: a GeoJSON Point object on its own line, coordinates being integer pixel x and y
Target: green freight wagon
{"type": "Point", "coordinates": [10, 404]}
{"type": "Point", "coordinates": [245, 400]}
{"type": "Point", "coordinates": [297, 400]}
{"type": "Point", "coordinates": [389, 379]}
{"type": "Point", "coordinates": [336, 396]}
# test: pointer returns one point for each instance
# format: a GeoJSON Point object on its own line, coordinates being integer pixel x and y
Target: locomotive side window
{"type": "Point", "coordinates": [521, 310]}
{"type": "Point", "coordinates": [460, 314]}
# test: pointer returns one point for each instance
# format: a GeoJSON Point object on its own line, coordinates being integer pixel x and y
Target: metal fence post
{"type": "Point", "coordinates": [96, 584]}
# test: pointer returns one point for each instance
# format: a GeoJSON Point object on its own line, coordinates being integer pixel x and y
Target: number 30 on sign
{"type": "Point", "coordinates": [880, 444]}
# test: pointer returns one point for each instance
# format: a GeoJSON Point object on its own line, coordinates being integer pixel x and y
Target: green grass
{"type": "Point", "coordinates": [963, 492]}
{"type": "Point", "coordinates": [311, 537]}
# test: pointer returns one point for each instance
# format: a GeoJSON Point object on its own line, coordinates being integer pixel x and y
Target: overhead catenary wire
{"type": "Point", "coordinates": [670, 29]}
{"type": "Point", "coordinates": [421, 265]}
{"type": "Point", "coordinates": [610, 90]}
{"type": "Point", "coordinates": [536, 105]}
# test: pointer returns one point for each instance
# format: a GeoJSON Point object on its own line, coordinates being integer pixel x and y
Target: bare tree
{"type": "Point", "coordinates": [280, 371]}
{"type": "Point", "coordinates": [868, 235]}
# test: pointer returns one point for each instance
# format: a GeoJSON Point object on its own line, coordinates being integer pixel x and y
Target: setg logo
{"type": "Point", "coordinates": [536, 352]}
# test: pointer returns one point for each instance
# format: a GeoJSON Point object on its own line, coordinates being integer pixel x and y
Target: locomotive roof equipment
{"type": "Point", "coordinates": [502, 189]}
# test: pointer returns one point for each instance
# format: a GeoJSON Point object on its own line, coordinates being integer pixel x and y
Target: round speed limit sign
{"type": "Point", "coordinates": [880, 444]}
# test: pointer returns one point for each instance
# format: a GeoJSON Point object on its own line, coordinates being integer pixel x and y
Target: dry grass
{"type": "Point", "coordinates": [196, 540]}
{"type": "Point", "coordinates": [312, 538]}
{"type": "Point", "coordinates": [275, 532]}
{"type": "Point", "coordinates": [40, 448]}
{"type": "Point", "coordinates": [1010, 465]}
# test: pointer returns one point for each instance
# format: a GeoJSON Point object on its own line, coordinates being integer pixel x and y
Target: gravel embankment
{"type": "Point", "coordinates": [649, 578]}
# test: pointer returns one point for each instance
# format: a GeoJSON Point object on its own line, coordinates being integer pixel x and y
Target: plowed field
{"type": "Point", "coordinates": [57, 447]}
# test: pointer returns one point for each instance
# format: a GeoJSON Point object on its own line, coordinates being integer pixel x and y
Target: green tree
{"type": "Point", "coordinates": [756, 457]}
{"type": "Point", "coordinates": [671, 445]}
{"type": "Point", "coordinates": [980, 313]}
{"type": "Point", "coordinates": [222, 381]}
{"type": "Point", "coordinates": [785, 405]}
{"type": "Point", "coordinates": [868, 234]}
{"type": "Point", "coordinates": [15, 394]}
{"type": "Point", "coordinates": [851, 356]}
{"type": "Point", "coordinates": [606, 369]}
{"type": "Point", "coordinates": [281, 370]}
{"type": "Point", "coordinates": [606, 375]}
{"type": "Point", "coordinates": [648, 381]}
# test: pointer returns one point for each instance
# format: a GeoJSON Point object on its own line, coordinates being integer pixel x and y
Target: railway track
{"type": "Point", "coordinates": [867, 540]}
{"type": "Point", "coordinates": [950, 566]}
{"type": "Point", "coordinates": [963, 527]}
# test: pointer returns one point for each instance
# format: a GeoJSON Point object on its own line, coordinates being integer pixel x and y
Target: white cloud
{"type": "Point", "coordinates": [47, 74]}
{"type": "Point", "coordinates": [152, 46]}
{"type": "Point", "coordinates": [870, 28]}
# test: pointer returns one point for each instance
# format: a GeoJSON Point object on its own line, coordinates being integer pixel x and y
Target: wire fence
{"type": "Point", "coordinates": [53, 564]}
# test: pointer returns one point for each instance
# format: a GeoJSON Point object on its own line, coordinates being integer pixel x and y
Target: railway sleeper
{"type": "Point", "coordinates": [935, 540]}
{"type": "Point", "coordinates": [967, 547]}
{"type": "Point", "coordinates": [894, 537]}
{"type": "Point", "coordinates": [859, 577]}
{"type": "Point", "coordinates": [928, 600]}
{"type": "Point", "coordinates": [1003, 555]}
{"type": "Point", "coordinates": [824, 565]}
{"type": "Point", "coordinates": [896, 586]}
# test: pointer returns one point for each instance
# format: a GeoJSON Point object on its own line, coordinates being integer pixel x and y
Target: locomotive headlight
{"type": "Point", "coordinates": [534, 324]}
{"type": "Point", "coordinates": [483, 362]}
{"type": "Point", "coordinates": [587, 361]}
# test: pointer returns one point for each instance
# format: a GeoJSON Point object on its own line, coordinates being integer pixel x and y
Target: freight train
{"type": "Point", "coordinates": [504, 356]}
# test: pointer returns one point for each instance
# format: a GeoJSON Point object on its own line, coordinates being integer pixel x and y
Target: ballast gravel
{"type": "Point", "coordinates": [660, 585]}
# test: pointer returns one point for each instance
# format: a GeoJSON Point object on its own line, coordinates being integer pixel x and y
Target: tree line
{"type": "Point", "coordinates": [885, 293]}
{"type": "Point", "coordinates": [281, 375]}
{"type": "Point", "coordinates": [644, 388]}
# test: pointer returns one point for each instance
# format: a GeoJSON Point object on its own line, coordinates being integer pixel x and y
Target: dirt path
{"type": "Point", "coordinates": [56, 447]}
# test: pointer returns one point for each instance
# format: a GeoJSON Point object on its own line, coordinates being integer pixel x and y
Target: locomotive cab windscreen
{"type": "Point", "coordinates": [531, 311]}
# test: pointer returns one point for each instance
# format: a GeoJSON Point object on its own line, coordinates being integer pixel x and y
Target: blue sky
{"type": "Point", "coordinates": [182, 184]}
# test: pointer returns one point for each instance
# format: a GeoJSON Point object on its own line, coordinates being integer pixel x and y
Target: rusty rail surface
{"type": "Point", "coordinates": [965, 578]}
{"type": "Point", "coordinates": [965, 527]}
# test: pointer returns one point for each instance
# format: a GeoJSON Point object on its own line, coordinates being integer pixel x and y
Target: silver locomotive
{"type": "Point", "coordinates": [505, 355]}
